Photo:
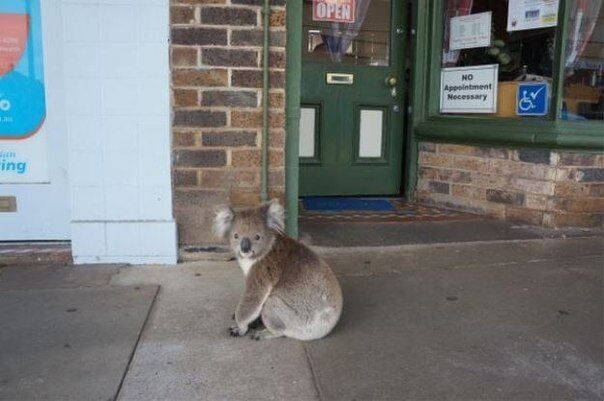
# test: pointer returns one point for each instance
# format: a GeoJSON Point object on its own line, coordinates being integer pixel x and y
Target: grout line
{"type": "Point", "coordinates": [315, 379]}
{"type": "Point", "coordinates": [134, 349]}
{"type": "Point", "coordinates": [327, 250]}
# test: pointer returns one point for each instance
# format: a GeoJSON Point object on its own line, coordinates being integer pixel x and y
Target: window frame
{"type": "Point", "coordinates": [549, 131]}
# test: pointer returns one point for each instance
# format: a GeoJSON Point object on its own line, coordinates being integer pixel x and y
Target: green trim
{"type": "Point", "coordinates": [293, 75]}
{"type": "Point", "coordinates": [430, 125]}
{"type": "Point", "coordinates": [266, 11]}
{"type": "Point", "coordinates": [417, 99]}
{"type": "Point", "coordinates": [560, 49]}
{"type": "Point", "coordinates": [534, 133]}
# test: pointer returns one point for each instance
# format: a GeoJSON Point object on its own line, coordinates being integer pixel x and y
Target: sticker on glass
{"type": "Point", "coordinates": [470, 31]}
{"type": "Point", "coordinates": [469, 89]}
{"type": "Point", "coordinates": [532, 99]}
{"type": "Point", "coordinates": [532, 14]}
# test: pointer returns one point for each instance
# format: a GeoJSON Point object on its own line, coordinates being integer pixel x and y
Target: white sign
{"type": "Point", "coordinates": [334, 10]}
{"type": "Point", "coordinates": [469, 89]}
{"type": "Point", "coordinates": [470, 31]}
{"type": "Point", "coordinates": [532, 14]}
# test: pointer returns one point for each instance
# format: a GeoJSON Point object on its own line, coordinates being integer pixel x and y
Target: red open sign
{"type": "Point", "coordinates": [333, 10]}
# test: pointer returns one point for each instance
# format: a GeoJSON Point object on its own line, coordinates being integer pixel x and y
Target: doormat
{"type": "Point", "coordinates": [398, 212]}
{"type": "Point", "coordinates": [330, 204]}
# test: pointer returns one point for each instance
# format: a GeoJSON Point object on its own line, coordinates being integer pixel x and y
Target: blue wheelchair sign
{"type": "Point", "coordinates": [532, 99]}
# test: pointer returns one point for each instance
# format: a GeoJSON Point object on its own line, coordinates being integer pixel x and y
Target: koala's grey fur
{"type": "Point", "coordinates": [293, 291]}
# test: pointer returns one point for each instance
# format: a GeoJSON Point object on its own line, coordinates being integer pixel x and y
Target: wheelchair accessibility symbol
{"type": "Point", "coordinates": [532, 99]}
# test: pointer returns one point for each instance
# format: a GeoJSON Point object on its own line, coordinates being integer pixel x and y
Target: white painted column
{"type": "Point", "coordinates": [117, 85]}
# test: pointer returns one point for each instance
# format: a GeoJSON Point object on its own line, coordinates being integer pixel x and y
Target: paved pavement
{"type": "Point", "coordinates": [367, 233]}
{"type": "Point", "coordinates": [513, 320]}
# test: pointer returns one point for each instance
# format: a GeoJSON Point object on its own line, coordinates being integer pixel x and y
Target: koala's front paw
{"type": "Point", "coordinates": [236, 331]}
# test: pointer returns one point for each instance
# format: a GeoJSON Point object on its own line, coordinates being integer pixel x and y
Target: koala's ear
{"type": "Point", "coordinates": [223, 221]}
{"type": "Point", "coordinates": [275, 216]}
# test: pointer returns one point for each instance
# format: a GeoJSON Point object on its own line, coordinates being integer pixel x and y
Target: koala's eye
{"type": "Point", "coordinates": [235, 235]}
{"type": "Point", "coordinates": [257, 237]}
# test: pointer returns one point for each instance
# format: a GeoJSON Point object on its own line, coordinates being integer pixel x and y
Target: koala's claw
{"type": "Point", "coordinates": [235, 331]}
{"type": "Point", "coordinates": [263, 334]}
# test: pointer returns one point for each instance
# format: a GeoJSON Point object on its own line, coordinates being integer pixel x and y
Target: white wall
{"type": "Point", "coordinates": [118, 121]}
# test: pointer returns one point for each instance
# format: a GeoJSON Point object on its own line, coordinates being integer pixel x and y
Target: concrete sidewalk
{"type": "Point", "coordinates": [513, 320]}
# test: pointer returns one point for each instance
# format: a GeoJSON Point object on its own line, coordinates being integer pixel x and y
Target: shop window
{"type": "Point", "coordinates": [583, 95]}
{"type": "Point", "coordinates": [498, 58]}
{"type": "Point", "coordinates": [355, 32]}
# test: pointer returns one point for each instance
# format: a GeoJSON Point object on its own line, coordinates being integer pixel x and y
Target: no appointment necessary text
{"type": "Point", "coordinates": [451, 90]}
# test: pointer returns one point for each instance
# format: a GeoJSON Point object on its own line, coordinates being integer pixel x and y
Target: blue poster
{"type": "Point", "coordinates": [532, 99]}
{"type": "Point", "coordinates": [22, 101]}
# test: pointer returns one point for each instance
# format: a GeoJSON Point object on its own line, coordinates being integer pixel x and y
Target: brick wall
{"type": "Point", "coordinates": [216, 62]}
{"type": "Point", "coordinates": [536, 186]}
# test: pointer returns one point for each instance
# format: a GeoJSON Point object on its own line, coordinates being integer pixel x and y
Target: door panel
{"type": "Point", "coordinates": [352, 90]}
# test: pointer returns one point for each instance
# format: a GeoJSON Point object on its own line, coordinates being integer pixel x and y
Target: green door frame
{"type": "Point", "coordinates": [293, 79]}
{"type": "Point", "coordinates": [293, 76]}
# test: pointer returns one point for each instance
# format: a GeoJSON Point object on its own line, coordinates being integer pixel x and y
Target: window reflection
{"type": "Point", "coordinates": [584, 62]}
{"type": "Point", "coordinates": [522, 55]}
{"type": "Point", "coordinates": [366, 41]}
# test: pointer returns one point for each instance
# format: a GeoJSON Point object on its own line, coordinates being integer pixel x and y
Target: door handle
{"type": "Point", "coordinates": [391, 81]}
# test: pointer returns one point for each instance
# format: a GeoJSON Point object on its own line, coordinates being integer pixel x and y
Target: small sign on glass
{"type": "Point", "coordinates": [470, 31]}
{"type": "Point", "coordinates": [334, 10]}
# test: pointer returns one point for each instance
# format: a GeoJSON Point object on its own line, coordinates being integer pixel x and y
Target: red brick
{"type": "Point", "coordinates": [467, 191]}
{"type": "Point", "coordinates": [182, 15]}
{"type": "Point", "coordinates": [580, 205]}
{"type": "Point", "coordinates": [184, 56]}
{"type": "Point", "coordinates": [253, 119]}
{"type": "Point", "coordinates": [562, 219]}
{"type": "Point", "coordinates": [229, 138]}
{"type": "Point", "coordinates": [277, 18]}
{"type": "Point", "coordinates": [199, 118]}
{"type": "Point", "coordinates": [229, 178]}
{"type": "Point", "coordinates": [195, 77]}
{"type": "Point", "coordinates": [524, 215]}
{"type": "Point", "coordinates": [185, 97]}
{"type": "Point", "coordinates": [228, 16]}
{"type": "Point", "coordinates": [198, 36]}
{"type": "Point", "coordinates": [184, 138]}
{"type": "Point", "coordinates": [185, 178]}
{"type": "Point", "coordinates": [229, 57]}
{"type": "Point", "coordinates": [253, 158]}
{"type": "Point", "coordinates": [200, 158]}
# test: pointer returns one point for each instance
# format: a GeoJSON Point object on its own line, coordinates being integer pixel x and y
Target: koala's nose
{"type": "Point", "coordinates": [246, 244]}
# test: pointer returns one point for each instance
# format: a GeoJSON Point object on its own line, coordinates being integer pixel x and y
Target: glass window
{"type": "Point", "coordinates": [359, 35]}
{"type": "Point", "coordinates": [520, 42]}
{"type": "Point", "coordinates": [584, 62]}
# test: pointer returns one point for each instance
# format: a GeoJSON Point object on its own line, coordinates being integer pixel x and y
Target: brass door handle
{"type": "Point", "coordinates": [391, 81]}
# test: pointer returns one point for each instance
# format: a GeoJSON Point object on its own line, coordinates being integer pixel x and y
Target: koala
{"type": "Point", "coordinates": [287, 286]}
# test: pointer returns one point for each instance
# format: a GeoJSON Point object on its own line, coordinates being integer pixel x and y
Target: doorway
{"type": "Point", "coordinates": [352, 98]}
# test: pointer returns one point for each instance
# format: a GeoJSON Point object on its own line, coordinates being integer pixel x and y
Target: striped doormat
{"type": "Point", "coordinates": [374, 210]}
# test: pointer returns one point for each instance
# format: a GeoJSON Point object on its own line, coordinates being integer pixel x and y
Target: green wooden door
{"type": "Point", "coordinates": [351, 129]}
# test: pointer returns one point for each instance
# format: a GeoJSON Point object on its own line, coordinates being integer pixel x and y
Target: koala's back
{"type": "Point", "coordinates": [305, 283]}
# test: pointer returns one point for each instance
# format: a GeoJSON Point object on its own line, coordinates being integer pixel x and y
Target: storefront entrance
{"type": "Point", "coordinates": [352, 114]}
